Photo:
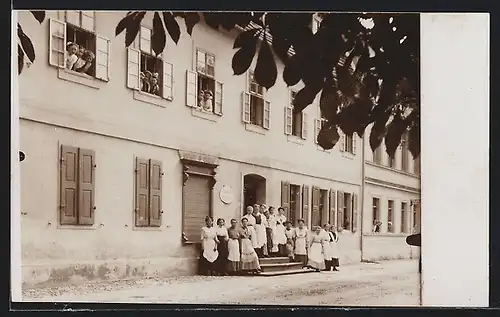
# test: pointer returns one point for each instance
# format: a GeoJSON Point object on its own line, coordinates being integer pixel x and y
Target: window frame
{"type": "Point", "coordinates": [375, 211]}
{"type": "Point", "coordinates": [391, 215]}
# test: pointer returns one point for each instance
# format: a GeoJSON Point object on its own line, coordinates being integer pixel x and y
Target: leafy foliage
{"type": "Point", "coordinates": [365, 66]}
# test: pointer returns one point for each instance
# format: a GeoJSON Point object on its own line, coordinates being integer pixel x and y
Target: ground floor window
{"type": "Point", "coordinates": [390, 216]}
{"type": "Point", "coordinates": [347, 205]}
{"type": "Point", "coordinates": [295, 210]}
{"type": "Point", "coordinates": [376, 214]}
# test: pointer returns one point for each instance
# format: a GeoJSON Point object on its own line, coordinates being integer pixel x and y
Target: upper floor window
{"type": "Point", "coordinates": [377, 155]}
{"type": "Point", "coordinates": [203, 90]}
{"type": "Point", "coordinates": [256, 110]}
{"type": "Point", "coordinates": [318, 124]}
{"type": "Point", "coordinates": [147, 72]}
{"type": "Point", "coordinates": [315, 23]}
{"type": "Point", "coordinates": [404, 152]}
{"type": "Point", "coordinates": [348, 143]}
{"type": "Point", "coordinates": [295, 122]}
{"type": "Point", "coordinates": [75, 45]}
{"type": "Point", "coordinates": [416, 165]}
{"type": "Point", "coordinates": [392, 162]}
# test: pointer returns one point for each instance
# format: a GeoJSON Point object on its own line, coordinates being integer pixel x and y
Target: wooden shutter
{"type": "Point", "coordinates": [245, 107]}
{"type": "Point", "coordinates": [141, 192]}
{"type": "Point", "coordinates": [325, 213]}
{"type": "Point", "coordinates": [73, 17]}
{"type": "Point", "coordinates": [317, 128]}
{"type": "Point", "coordinates": [354, 137]}
{"type": "Point", "coordinates": [354, 212]}
{"type": "Point", "coordinates": [134, 68]}
{"type": "Point", "coordinates": [315, 216]}
{"type": "Point", "coordinates": [288, 120]}
{"type": "Point", "coordinates": [285, 198]}
{"type": "Point", "coordinates": [267, 115]}
{"type": "Point", "coordinates": [340, 210]}
{"type": "Point", "coordinates": [304, 126]}
{"type": "Point", "coordinates": [305, 204]}
{"type": "Point", "coordinates": [102, 57]}
{"type": "Point", "coordinates": [69, 185]}
{"type": "Point", "coordinates": [155, 193]}
{"type": "Point", "coordinates": [191, 88]}
{"type": "Point", "coordinates": [168, 80]}
{"type": "Point", "coordinates": [333, 205]}
{"type": "Point", "coordinates": [342, 142]}
{"type": "Point", "coordinates": [57, 43]}
{"type": "Point", "coordinates": [219, 93]}
{"type": "Point", "coordinates": [298, 205]}
{"type": "Point", "coordinates": [86, 187]}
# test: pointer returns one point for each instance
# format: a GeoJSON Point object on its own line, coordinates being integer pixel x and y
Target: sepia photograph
{"type": "Point", "coordinates": [249, 158]}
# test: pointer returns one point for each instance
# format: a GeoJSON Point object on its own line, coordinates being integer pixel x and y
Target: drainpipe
{"type": "Point", "coordinates": [362, 196]}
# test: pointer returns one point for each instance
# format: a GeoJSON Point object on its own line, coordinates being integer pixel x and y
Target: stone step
{"type": "Point", "coordinates": [272, 260]}
{"type": "Point", "coordinates": [287, 272]}
{"type": "Point", "coordinates": [275, 267]}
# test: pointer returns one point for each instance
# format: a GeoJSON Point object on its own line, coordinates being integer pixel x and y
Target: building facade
{"type": "Point", "coordinates": [123, 162]}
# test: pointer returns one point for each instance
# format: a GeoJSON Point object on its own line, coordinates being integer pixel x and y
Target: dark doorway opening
{"type": "Point", "coordinates": [254, 190]}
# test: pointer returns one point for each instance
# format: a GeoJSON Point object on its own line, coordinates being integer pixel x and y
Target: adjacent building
{"type": "Point", "coordinates": [125, 159]}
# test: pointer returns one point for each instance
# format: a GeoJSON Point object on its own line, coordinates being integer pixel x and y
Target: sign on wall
{"type": "Point", "coordinates": [226, 194]}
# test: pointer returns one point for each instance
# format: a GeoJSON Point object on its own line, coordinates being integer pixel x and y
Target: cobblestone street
{"type": "Point", "coordinates": [391, 283]}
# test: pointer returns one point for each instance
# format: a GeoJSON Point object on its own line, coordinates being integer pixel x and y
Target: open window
{"type": "Point", "coordinates": [147, 72]}
{"type": "Point", "coordinates": [75, 45]}
{"type": "Point", "coordinates": [348, 143]}
{"type": "Point", "coordinates": [203, 91]}
{"type": "Point", "coordinates": [255, 109]}
{"type": "Point", "coordinates": [295, 122]}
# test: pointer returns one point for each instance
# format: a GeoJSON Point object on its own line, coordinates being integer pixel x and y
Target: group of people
{"type": "Point", "coordinates": [262, 233]}
{"type": "Point", "coordinates": [78, 58]}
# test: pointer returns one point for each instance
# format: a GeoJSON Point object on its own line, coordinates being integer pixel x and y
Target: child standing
{"type": "Point", "coordinates": [301, 245]}
{"type": "Point", "coordinates": [290, 240]}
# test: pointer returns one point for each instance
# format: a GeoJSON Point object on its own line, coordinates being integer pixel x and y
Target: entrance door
{"type": "Point", "coordinates": [254, 190]}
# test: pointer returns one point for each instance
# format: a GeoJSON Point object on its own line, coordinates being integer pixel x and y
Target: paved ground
{"type": "Point", "coordinates": [392, 283]}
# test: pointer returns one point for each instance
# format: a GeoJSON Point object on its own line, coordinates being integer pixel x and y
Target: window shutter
{"type": "Point", "coordinates": [333, 205]}
{"type": "Point", "coordinates": [340, 210]}
{"type": "Point", "coordinates": [102, 57]}
{"type": "Point", "coordinates": [305, 204]}
{"type": "Point", "coordinates": [354, 137]}
{"type": "Point", "coordinates": [326, 211]}
{"type": "Point", "coordinates": [57, 43]}
{"type": "Point", "coordinates": [304, 125]}
{"type": "Point", "coordinates": [342, 141]}
{"type": "Point", "coordinates": [315, 208]}
{"type": "Point", "coordinates": [297, 213]}
{"type": "Point", "coordinates": [168, 80]}
{"type": "Point", "coordinates": [73, 17]}
{"type": "Point", "coordinates": [285, 198]}
{"type": "Point", "coordinates": [86, 187]}
{"type": "Point", "coordinates": [155, 193]}
{"type": "Point", "coordinates": [134, 68]}
{"type": "Point", "coordinates": [191, 88]}
{"type": "Point", "coordinates": [317, 128]}
{"type": "Point", "coordinates": [245, 107]}
{"type": "Point", "coordinates": [219, 93]}
{"type": "Point", "coordinates": [69, 185]}
{"type": "Point", "coordinates": [288, 120]}
{"type": "Point", "coordinates": [354, 212]}
{"type": "Point", "coordinates": [141, 192]}
{"type": "Point", "coordinates": [267, 115]}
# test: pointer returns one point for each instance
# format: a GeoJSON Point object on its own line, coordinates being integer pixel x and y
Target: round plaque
{"type": "Point", "coordinates": [226, 194]}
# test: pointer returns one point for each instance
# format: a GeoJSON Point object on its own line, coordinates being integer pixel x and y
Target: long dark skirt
{"type": "Point", "coordinates": [269, 236]}
{"type": "Point", "coordinates": [205, 267]}
{"type": "Point", "coordinates": [302, 258]}
{"type": "Point", "coordinates": [221, 262]}
{"type": "Point", "coordinates": [335, 262]}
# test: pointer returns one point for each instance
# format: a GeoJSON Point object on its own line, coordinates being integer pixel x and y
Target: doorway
{"type": "Point", "coordinates": [254, 190]}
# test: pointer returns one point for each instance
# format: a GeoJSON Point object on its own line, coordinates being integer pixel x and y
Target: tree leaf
{"type": "Point", "coordinates": [305, 97]}
{"type": "Point", "coordinates": [124, 23]}
{"type": "Point", "coordinates": [244, 37]}
{"type": "Point", "coordinates": [377, 134]}
{"type": "Point", "coordinates": [172, 26]}
{"type": "Point", "coordinates": [39, 15]}
{"type": "Point", "coordinates": [20, 59]}
{"type": "Point", "coordinates": [291, 73]}
{"type": "Point", "coordinates": [133, 27]}
{"type": "Point", "coordinates": [191, 19]}
{"type": "Point", "coordinates": [266, 71]}
{"type": "Point", "coordinates": [329, 103]}
{"type": "Point", "coordinates": [242, 59]}
{"type": "Point", "coordinates": [213, 20]}
{"type": "Point", "coordinates": [26, 44]}
{"type": "Point", "coordinates": [394, 134]}
{"type": "Point", "coordinates": [328, 136]}
{"type": "Point", "coordinates": [158, 37]}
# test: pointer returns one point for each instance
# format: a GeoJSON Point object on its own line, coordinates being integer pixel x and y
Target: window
{"type": "Point", "coordinates": [256, 110]}
{"type": "Point", "coordinates": [323, 206]}
{"type": "Point", "coordinates": [376, 214]}
{"type": "Point", "coordinates": [392, 162]}
{"type": "Point", "coordinates": [315, 23]}
{"type": "Point", "coordinates": [347, 211]}
{"type": "Point", "coordinates": [295, 210]}
{"type": "Point", "coordinates": [148, 193]}
{"type": "Point", "coordinates": [75, 46]}
{"type": "Point", "coordinates": [295, 122]}
{"type": "Point", "coordinates": [404, 217]}
{"type": "Point", "coordinates": [147, 72]}
{"type": "Point", "coordinates": [390, 216]}
{"type": "Point", "coordinates": [377, 155]}
{"type": "Point", "coordinates": [348, 143]}
{"type": "Point", "coordinates": [319, 124]}
{"type": "Point", "coordinates": [416, 165]}
{"type": "Point", "coordinates": [77, 186]}
{"type": "Point", "coordinates": [404, 152]}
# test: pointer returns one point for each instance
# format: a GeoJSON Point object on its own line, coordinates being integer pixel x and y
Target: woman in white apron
{"type": "Point", "coordinates": [279, 237]}
{"type": "Point", "coordinates": [316, 256]}
{"type": "Point", "coordinates": [233, 246]}
{"type": "Point", "coordinates": [249, 259]}
{"type": "Point", "coordinates": [209, 251]}
{"type": "Point", "coordinates": [301, 236]}
{"type": "Point", "coordinates": [331, 250]}
{"type": "Point", "coordinates": [251, 226]}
